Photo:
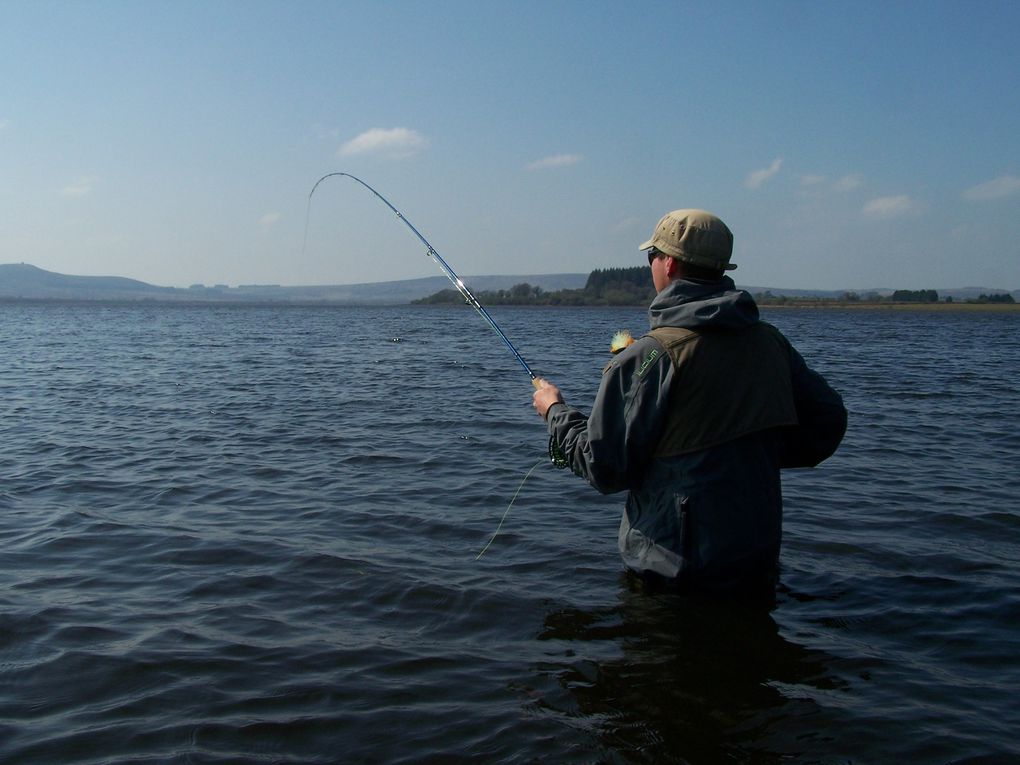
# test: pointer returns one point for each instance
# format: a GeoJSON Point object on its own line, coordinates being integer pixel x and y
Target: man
{"type": "Point", "coordinates": [696, 419]}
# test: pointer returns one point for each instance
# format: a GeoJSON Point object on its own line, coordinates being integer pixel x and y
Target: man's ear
{"type": "Point", "coordinates": [672, 268]}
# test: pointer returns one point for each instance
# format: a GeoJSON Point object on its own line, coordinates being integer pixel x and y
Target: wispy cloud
{"type": "Point", "coordinates": [820, 184]}
{"type": "Point", "coordinates": [756, 178]}
{"type": "Point", "coordinates": [269, 219]}
{"type": "Point", "coordinates": [891, 207]}
{"type": "Point", "coordinates": [79, 187]}
{"type": "Point", "coordinates": [627, 224]}
{"type": "Point", "coordinates": [848, 182]}
{"type": "Point", "coordinates": [324, 133]}
{"type": "Point", "coordinates": [556, 160]}
{"type": "Point", "coordinates": [996, 188]}
{"type": "Point", "coordinates": [396, 143]}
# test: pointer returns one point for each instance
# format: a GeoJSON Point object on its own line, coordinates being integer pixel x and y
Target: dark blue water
{"type": "Point", "coordinates": [249, 534]}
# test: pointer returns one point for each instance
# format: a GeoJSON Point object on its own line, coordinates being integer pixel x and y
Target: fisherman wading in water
{"type": "Point", "coordinates": [696, 419]}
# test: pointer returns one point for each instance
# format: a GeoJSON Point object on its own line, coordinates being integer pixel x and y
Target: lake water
{"type": "Point", "coordinates": [249, 534]}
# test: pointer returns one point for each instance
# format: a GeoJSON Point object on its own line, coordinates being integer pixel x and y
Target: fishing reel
{"type": "Point", "coordinates": [556, 455]}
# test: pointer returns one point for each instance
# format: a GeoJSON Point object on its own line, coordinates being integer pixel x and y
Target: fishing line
{"type": "Point", "coordinates": [507, 511]}
{"type": "Point", "coordinates": [555, 454]}
{"type": "Point", "coordinates": [443, 266]}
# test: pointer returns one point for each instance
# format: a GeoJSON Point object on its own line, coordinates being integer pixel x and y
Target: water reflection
{"type": "Point", "coordinates": [662, 677]}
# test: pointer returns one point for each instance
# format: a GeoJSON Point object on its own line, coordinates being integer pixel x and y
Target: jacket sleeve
{"type": "Point", "coordinates": [612, 446]}
{"type": "Point", "coordinates": [821, 418]}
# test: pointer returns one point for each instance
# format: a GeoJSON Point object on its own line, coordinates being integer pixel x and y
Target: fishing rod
{"type": "Point", "coordinates": [443, 266]}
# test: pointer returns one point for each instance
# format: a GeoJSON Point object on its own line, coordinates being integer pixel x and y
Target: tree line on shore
{"type": "Point", "coordinates": [898, 296]}
{"type": "Point", "coordinates": [633, 286]}
{"type": "Point", "coordinates": [608, 286]}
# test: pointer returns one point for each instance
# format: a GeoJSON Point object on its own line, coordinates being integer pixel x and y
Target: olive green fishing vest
{"type": "Point", "coordinates": [729, 382]}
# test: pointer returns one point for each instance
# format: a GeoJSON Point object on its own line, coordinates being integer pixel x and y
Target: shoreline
{"type": "Point", "coordinates": [933, 307]}
{"type": "Point", "coordinates": [149, 302]}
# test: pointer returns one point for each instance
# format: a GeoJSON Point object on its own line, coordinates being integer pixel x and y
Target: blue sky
{"type": "Point", "coordinates": [848, 145]}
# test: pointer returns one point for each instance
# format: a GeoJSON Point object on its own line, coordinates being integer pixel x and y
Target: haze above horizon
{"type": "Point", "coordinates": [847, 146]}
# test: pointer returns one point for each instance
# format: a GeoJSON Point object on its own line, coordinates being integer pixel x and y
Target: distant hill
{"type": "Point", "coordinates": [27, 282]}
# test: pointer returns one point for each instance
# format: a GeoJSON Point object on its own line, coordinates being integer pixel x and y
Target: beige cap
{"type": "Point", "coordinates": [694, 236]}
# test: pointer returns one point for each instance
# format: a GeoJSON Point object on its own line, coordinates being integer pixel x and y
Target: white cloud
{"type": "Point", "coordinates": [758, 177]}
{"type": "Point", "coordinates": [269, 219]}
{"type": "Point", "coordinates": [627, 224]}
{"type": "Point", "coordinates": [891, 207]}
{"type": "Point", "coordinates": [78, 188]}
{"type": "Point", "coordinates": [821, 184]}
{"type": "Point", "coordinates": [996, 188]}
{"type": "Point", "coordinates": [324, 133]}
{"type": "Point", "coordinates": [396, 143]}
{"type": "Point", "coordinates": [557, 160]}
{"type": "Point", "coordinates": [848, 183]}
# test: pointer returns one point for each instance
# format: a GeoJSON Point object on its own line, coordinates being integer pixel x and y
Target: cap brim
{"type": "Point", "coordinates": [647, 245]}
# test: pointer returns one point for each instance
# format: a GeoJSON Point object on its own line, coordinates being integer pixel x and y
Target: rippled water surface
{"type": "Point", "coordinates": [246, 534]}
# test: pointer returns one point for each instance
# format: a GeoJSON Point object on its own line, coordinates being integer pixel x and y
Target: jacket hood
{"type": "Point", "coordinates": [693, 304]}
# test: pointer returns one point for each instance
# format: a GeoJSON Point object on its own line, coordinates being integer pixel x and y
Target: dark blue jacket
{"type": "Point", "coordinates": [695, 420]}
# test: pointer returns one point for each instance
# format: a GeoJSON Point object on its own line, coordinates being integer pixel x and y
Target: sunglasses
{"type": "Point", "coordinates": [653, 254]}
